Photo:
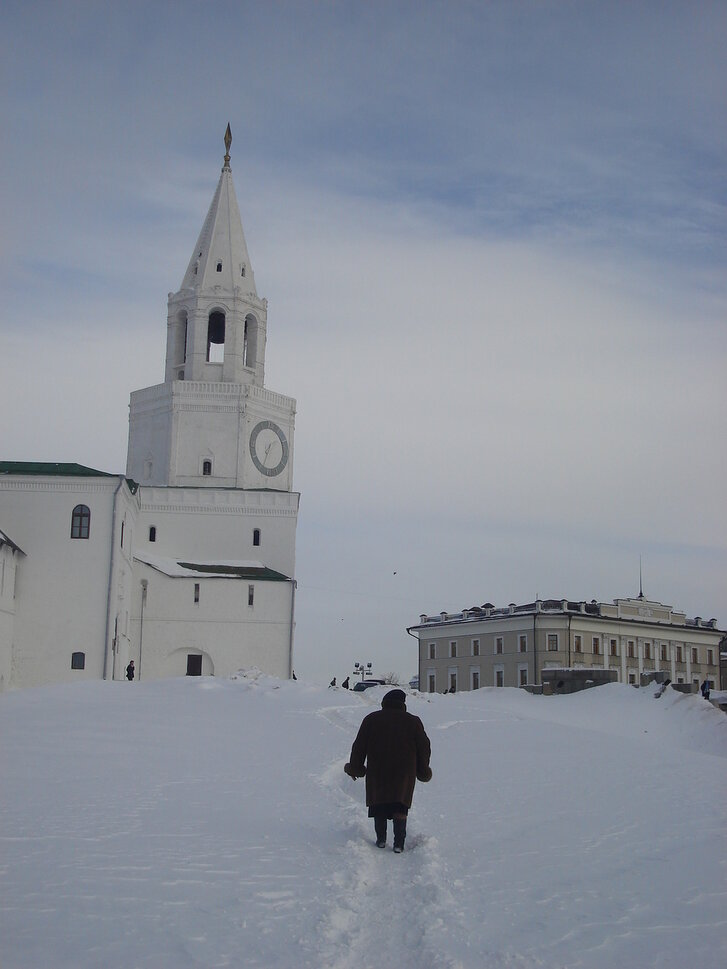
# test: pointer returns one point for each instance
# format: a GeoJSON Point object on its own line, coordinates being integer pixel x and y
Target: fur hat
{"type": "Point", "coordinates": [394, 700]}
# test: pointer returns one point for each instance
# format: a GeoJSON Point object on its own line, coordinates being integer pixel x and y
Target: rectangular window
{"type": "Point", "coordinates": [647, 650]}
{"type": "Point", "coordinates": [552, 642]}
{"type": "Point", "coordinates": [475, 680]}
{"type": "Point", "coordinates": [695, 655]}
{"type": "Point", "coordinates": [596, 646]}
{"type": "Point", "coordinates": [250, 595]}
{"type": "Point", "coordinates": [499, 677]}
{"type": "Point", "coordinates": [664, 652]}
{"type": "Point", "coordinates": [680, 655]}
{"type": "Point", "coordinates": [614, 647]}
{"type": "Point", "coordinates": [453, 650]}
{"type": "Point", "coordinates": [632, 678]}
{"type": "Point", "coordinates": [152, 533]}
{"type": "Point", "coordinates": [475, 647]}
{"type": "Point", "coordinates": [523, 644]}
{"type": "Point", "coordinates": [499, 645]}
{"type": "Point", "coordinates": [710, 657]}
{"type": "Point", "coordinates": [453, 681]}
{"type": "Point", "coordinates": [523, 675]}
{"type": "Point", "coordinates": [196, 591]}
{"type": "Point", "coordinates": [432, 651]}
{"type": "Point", "coordinates": [577, 645]}
{"type": "Point", "coordinates": [432, 683]}
{"type": "Point", "coordinates": [630, 649]}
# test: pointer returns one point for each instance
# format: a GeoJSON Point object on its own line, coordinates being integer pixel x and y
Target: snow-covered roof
{"type": "Point", "coordinates": [6, 540]}
{"type": "Point", "coordinates": [224, 569]}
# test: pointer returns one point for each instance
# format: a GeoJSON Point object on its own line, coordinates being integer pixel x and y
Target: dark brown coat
{"type": "Point", "coordinates": [395, 750]}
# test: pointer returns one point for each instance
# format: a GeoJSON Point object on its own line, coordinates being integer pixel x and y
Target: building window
{"type": "Point", "coordinates": [474, 679]}
{"type": "Point", "coordinates": [123, 525]}
{"type": "Point", "coordinates": [432, 682]}
{"type": "Point", "coordinates": [242, 271]}
{"type": "Point", "coordinates": [194, 665]}
{"type": "Point", "coordinates": [453, 681]}
{"type": "Point", "coordinates": [81, 521]}
{"type": "Point", "coordinates": [196, 591]}
{"type": "Point", "coordinates": [432, 651]}
{"type": "Point", "coordinates": [710, 657]}
{"type": "Point", "coordinates": [152, 533]}
{"type": "Point", "coordinates": [614, 647]}
{"type": "Point", "coordinates": [523, 644]}
{"type": "Point", "coordinates": [78, 661]}
{"type": "Point", "coordinates": [695, 655]}
{"type": "Point", "coordinates": [219, 267]}
{"type": "Point", "coordinates": [577, 646]}
{"type": "Point", "coordinates": [475, 647]}
{"type": "Point", "coordinates": [552, 642]}
{"type": "Point", "coordinates": [647, 650]}
{"type": "Point", "coordinates": [216, 337]}
{"type": "Point", "coordinates": [499, 677]}
{"type": "Point", "coordinates": [251, 595]}
{"type": "Point", "coordinates": [207, 468]}
{"type": "Point", "coordinates": [499, 645]}
{"type": "Point", "coordinates": [630, 649]}
{"type": "Point", "coordinates": [632, 679]}
{"type": "Point", "coordinates": [523, 675]}
{"type": "Point", "coordinates": [256, 536]}
{"type": "Point", "coordinates": [596, 646]}
{"type": "Point", "coordinates": [663, 652]}
{"type": "Point", "coordinates": [680, 655]}
{"type": "Point", "coordinates": [453, 650]}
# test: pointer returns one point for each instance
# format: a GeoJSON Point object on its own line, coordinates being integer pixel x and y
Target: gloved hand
{"type": "Point", "coordinates": [353, 772]}
{"type": "Point", "coordinates": [424, 775]}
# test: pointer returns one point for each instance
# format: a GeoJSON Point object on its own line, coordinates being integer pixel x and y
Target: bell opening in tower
{"type": "Point", "coordinates": [216, 337]}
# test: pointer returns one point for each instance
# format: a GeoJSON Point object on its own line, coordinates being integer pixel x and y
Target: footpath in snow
{"type": "Point", "coordinates": [208, 823]}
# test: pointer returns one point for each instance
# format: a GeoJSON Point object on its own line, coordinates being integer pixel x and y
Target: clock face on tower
{"type": "Point", "coordinates": [268, 448]}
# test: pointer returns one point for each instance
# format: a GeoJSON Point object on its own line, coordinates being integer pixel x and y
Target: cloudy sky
{"type": "Point", "coordinates": [492, 237]}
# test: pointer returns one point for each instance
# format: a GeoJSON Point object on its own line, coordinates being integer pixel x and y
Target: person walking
{"type": "Point", "coordinates": [392, 752]}
{"type": "Point", "coordinates": [130, 671]}
{"type": "Point", "coordinates": [705, 689]}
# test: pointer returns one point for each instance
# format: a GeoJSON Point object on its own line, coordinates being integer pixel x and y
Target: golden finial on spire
{"type": "Point", "coordinates": [228, 142]}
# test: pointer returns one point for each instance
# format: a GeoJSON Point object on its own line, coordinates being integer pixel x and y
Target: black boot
{"type": "Point", "coordinates": [399, 834]}
{"type": "Point", "coordinates": [380, 828]}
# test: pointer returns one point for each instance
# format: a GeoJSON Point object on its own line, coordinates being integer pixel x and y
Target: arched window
{"type": "Point", "coordinates": [81, 521]}
{"type": "Point", "coordinates": [249, 349]}
{"type": "Point", "coordinates": [78, 661]}
{"type": "Point", "coordinates": [206, 468]}
{"type": "Point", "coordinates": [216, 337]}
{"type": "Point", "coordinates": [256, 536]}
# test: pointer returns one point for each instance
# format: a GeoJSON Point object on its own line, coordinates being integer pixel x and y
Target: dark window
{"type": "Point", "coordinates": [196, 591]}
{"type": "Point", "coordinates": [206, 468]}
{"type": "Point", "coordinates": [122, 533]}
{"type": "Point", "coordinates": [152, 533]}
{"type": "Point", "coordinates": [78, 661]}
{"type": "Point", "coordinates": [250, 595]}
{"type": "Point", "coordinates": [219, 267]}
{"type": "Point", "coordinates": [216, 337]}
{"type": "Point", "coordinates": [80, 521]}
{"type": "Point", "coordinates": [242, 271]}
{"type": "Point", "coordinates": [256, 536]}
{"type": "Point", "coordinates": [194, 665]}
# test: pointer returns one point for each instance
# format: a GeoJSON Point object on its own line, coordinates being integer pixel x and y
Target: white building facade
{"type": "Point", "coordinates": [513, 645]}
{"type": "Point", "coordinates": [186, 563]}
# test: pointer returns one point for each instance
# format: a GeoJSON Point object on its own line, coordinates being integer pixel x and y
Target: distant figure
{"type": "Point", "coordinates": [130, 671]}
{"type": "Point", "coordinates": [345, 684]}
{"type": "Point", "coordinates": [662, 688]}
{"type": "Point", "coordinates": [705, 689]}
{"type": "Point", "coordinates": [294, 676]}
{"type": "Point", "coordinates": [332, 683]}
{"type": "Point", "coordinates": [396, 750]}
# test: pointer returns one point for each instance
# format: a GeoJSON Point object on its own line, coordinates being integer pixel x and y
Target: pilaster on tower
{"type": "Point", "coordinates": [217, 324]}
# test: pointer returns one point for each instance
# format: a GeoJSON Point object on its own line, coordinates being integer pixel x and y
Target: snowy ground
{"type": "Point", "coordinates": [208, 823]}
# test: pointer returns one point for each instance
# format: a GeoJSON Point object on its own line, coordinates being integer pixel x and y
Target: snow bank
{"type": "Point", "coordinates": [208, 823]}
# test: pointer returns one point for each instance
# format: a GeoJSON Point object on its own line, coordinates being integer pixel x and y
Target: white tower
{"type": "Point", "coordinates": [212, 423]}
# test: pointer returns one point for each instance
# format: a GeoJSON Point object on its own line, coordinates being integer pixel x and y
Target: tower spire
{"type": "Point", "coordinates": [641, 584]}
{"type": "Point", "coordinates": [228, 142]}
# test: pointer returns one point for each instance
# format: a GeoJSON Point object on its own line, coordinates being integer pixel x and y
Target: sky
{"type": "Point", "coordinates": [492, 238]}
